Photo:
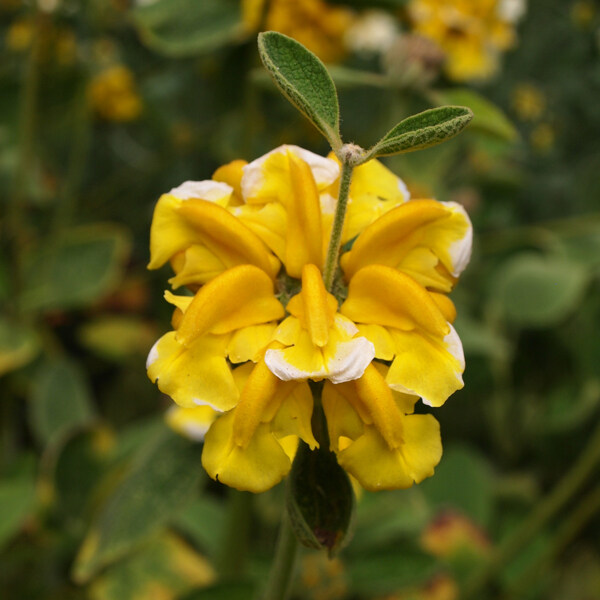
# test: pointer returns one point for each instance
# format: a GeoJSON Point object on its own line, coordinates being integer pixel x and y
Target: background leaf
{"type": "Point", "coordinates": [85, 264]}
{"type": "Point", "coordinates": [60, 400]}
{"type": "Point", "coordinates": [188, 27]}
{"type": "Point", "coordinates": [487, 117]}
{"type": "Point", "coordinates": [18, 345]}
{"type": "Point", "coordinates": [160, 483]}
{"type": "Point", "coordinates": [533, 290]}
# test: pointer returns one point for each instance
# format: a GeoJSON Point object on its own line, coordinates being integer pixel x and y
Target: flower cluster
{"type": "Point", "coordinates": [472, 34]}
{"type": "Point", "coordinates": [251, 244]}
{"type": "Point", "coordinates": [316, 24]}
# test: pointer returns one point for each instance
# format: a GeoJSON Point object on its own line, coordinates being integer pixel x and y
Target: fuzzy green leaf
{"type": "Point", "coordinates": [304, 81]}
{"type": "Point", "coordinates": [422, 130]}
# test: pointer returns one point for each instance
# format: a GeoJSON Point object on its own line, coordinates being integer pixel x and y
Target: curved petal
{"type": "Point", "coordinates": [194, 375]}
{"type": "Point", "coordinates": [294, 415]}
{"type": "Point", "coordinates": [249, 343]}
{"type": "Point", "coordinates": [195, 266]}
{"type": "Point", "coordinates": [415, 238]}
{"type": "Point", "coordinates": [290, 177]}
{"type": "Point", "coordinates": [178, 224]}
{"type": "Point", "coordinates": [192, 422]}
{"type": "Point", "coordinates": [338, 361]}
{"type": "Point", "coordinates": [263, 178]}
{"type": "Point", "coordinates": [231, 174]}
{"type": "Point", "coordinates": [374, 191]}
{"type": "Point", "coordinates": [376, 466]}
{"type": "Point", "coordinates": [381, 295]}
{"type": "Point", "coordinates": [239, 297]}
{"type": "Point", "coordinates": [376, 397]}
{"type": "Point", "coordinates": [343, 421]}
{"type": "Point", "coordinates": [213, 191]}
{"type": "Point", "coordinates": [254, 468]}
{"type": "Point", "coordinates": [427, 366]}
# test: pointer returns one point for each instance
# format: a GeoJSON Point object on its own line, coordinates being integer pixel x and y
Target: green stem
{"type": "Point", "coordinates": [335, 241]}
{"type": "Point", "coordinates": [548, 508]}
{"type": "Point", "coordinates": [282, 569]}
{"type": "Point", "coordinates": [231, 559]}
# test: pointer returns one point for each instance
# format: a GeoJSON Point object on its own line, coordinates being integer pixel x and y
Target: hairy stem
{"type": "Point", "coordinates": [331, 262]}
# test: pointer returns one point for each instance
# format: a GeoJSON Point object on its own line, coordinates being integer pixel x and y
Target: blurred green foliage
{"type": "Point", "coordinates": [98, 498]}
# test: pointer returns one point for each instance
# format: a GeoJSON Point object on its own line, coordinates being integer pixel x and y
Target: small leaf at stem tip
{"type": "Point", "coordinates": [304, 81]}
{"type": "Point", "coordinates": [422, 130]}
{"type": "Point", "coordinates": [319, 499]}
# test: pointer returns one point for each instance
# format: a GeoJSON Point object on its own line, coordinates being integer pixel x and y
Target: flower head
{"type": "Point", "coordinates": [251, 243]}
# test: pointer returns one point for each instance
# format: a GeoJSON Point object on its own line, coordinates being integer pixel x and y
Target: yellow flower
{"type": "Point", "coordinates": [114, 96]}
{"type": "Point", "coordinates": [253, 240]}
{"type": "Point", "coordinates": [317, 342]}
{"type": "Point", "coordinates": [230, 318]}
{"type": "Point", "coordinates": [314, 23]}
{"type": "Point", "coordinates": [472, 34]}
{"type": "Point", "coordinates": [528, 102]}
{"type": "Point", "coordinates": [192, 422]}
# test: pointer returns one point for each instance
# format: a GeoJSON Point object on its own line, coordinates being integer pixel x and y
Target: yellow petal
{"type": "Point", "coordinates": [383, 296]}
{"type": "Point", "coordinates": [374, 191]}
{"type": "Point", "coordinates": [342, 419]}
{"type": "Point", "coordinates": [227, 237]}
{"type": "Point", "coordinates": [380, 338]}
{"type": "Point", "coordinates": [442, 229]}
{"type": "Point", "coordinates": [249, 343]}
{"type": "Point", "coordinates": [268, 222]}
{"type": "Point", "coordinates": [213, 191]}
{"type": "Point", "coordinates": [294, 415]}
{"type": "Point", "coordinates": [304, 228]}
{"type": "Point", "coordinates": [316, 307]}
{"type": "Point", "coordinates": [376, 397]}
{"type": "Point", "coordinates": [405, 402]}
{"type": "Point", "coordinates": [426, 365]}
{"type": "Point", "coordinates": [344, 358]}
{"type": "Point", "coordinates": [445, 305]}
{"type": "Point", "coordinates": [265, 177]}
{"type": "Point", "coordinates": [239, 297]}
{"type": "Point", "coordinates": [195, 266]}
{"type": "Point", "coordinates": [255, 468]}
{"type": "Point", "coordinates": [178, 224]}
{"type": "Point", "coordinates": [258, 403]}
{"type": "Point", "coordinates": [290, 176]}
{"type": "Point", "coordinates": [181, 302]}
{"type": "Point", "coordinates": [194, 375]}
{"type": "Point", "coordinates": [376, 466]}
{"type": "Point", "coordinates": [193, 422]}
{"type": "Point", "coordinates": [231, 174]}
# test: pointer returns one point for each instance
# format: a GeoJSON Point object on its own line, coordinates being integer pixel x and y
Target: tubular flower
{"type": "Point", "coordinates": [232, 317]}
{"type": "Point", "coordinates": [374, 434]}
{"type": "Point", "coordinates": [252, 244]}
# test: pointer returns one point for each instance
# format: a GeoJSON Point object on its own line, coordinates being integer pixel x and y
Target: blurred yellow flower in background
{"type": "Point", "coordinates": [319, 26]}
{"type": "Point", "coordinates": [472, 34]}
{"type": "Point", "coordinates": [528, 101]}
{"type": "Point", "coordinates": [114, 96]}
